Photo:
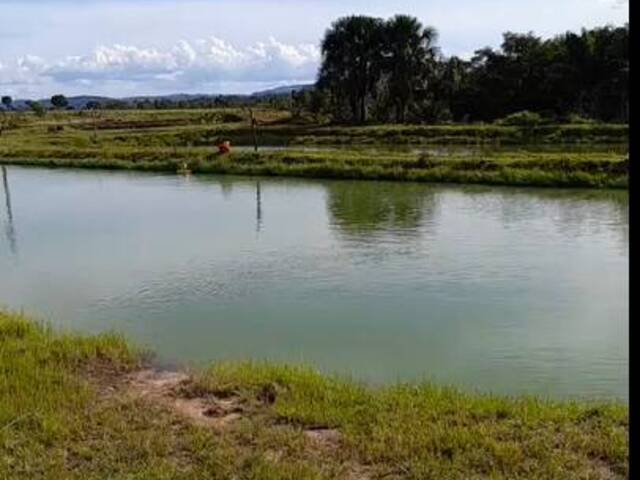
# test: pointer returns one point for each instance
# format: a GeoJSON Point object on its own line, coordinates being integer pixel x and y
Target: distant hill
{"type": "Point", "coordinates": [77, 102]}
{"type": "Point", "coordinates": [80, 101]}
{"type": "Point", "coordinates": [285, 90]}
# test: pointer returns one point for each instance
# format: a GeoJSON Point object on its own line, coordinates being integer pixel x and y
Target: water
{"type": "Point", "coordinates": [451, 150]}
{"type": "Point", "coordinates": [507, 290]}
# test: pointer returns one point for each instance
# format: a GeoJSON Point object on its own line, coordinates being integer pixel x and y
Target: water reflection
{"type": "Point", "coordinates": [360, 209]}
{"type": "Point", "coordinates": [226, 185]}
{"type": "Point", "coordinates": [258, 208]}
{"type": "Point", "coordinates": [500, 289]}
{"type": "Point", "coordinates": [571, 213]}
{"type": "Point", "coordinates": [9, 228]}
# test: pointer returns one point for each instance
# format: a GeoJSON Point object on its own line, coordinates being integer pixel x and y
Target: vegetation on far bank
{"type": "Point", "coordinates": [68, 410]}
{"type": "Point", "coordinates": [543, 170]}
{"type": "Point", "coordinates": [580, 155]}
{"type": "Point", "coordinates": [392, 70]}
{"type": "Point", "coordinates": [182, 128]}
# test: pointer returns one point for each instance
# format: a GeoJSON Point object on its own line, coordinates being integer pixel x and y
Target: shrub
{"type": "Point", "coordinates": [229, 117]}
{"type": "Point", "coordinates": [524, 118]}
{"type": "Point", "coordinates": [579, 119]}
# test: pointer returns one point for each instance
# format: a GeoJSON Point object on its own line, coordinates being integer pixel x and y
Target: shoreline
{"type": "Point", "coordinates": [560, 170]}
{"type": "Point", "coordinates": [582, 155]}
{"type": "Point", "coordinates": [92, 406]}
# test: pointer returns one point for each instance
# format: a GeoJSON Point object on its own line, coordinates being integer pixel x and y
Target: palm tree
{"type": "Point", "coordinates": [410, 54]}
{"type": "Point", "coordinates": [351, 61]}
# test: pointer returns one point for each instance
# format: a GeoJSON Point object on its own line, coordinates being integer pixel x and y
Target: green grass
{"type": "Point", "coordinates": [59, 419]}
{"type": "Point", "coordinates": [583, 155]}
{"type": "Point", "coordinates": [427, 431]}
{"type": "Point", "coordinates": [202, 127]}
{"type": "Point", "coordinates": [596, 170]}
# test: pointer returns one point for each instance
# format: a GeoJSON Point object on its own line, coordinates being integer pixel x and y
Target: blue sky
{"type": "Point", "coordinates": [121, 48]}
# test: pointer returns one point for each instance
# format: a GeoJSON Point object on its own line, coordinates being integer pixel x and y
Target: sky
{"type": "Point", "coordinates": [121, 48]}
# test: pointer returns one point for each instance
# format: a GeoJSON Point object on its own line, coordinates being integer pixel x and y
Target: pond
{"type": "Point", "coordinates": [505, 290]}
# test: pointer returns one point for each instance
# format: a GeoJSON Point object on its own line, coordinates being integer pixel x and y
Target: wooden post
{"type": "Point", "coordinates": [254, 124]}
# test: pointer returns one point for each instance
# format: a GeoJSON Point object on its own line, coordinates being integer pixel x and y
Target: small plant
{"type": "Point", "coordinates": [229, 117]}
{"type": "Point", "coordinates": [37, 109]}
{"type": "Point", "coordinates": [575, 118]}
{"type": "Point", "coordinates": [525, 118]}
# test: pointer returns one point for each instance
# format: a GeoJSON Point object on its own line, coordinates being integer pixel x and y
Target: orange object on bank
{"type": "Point", "coordinates": [224, 147]}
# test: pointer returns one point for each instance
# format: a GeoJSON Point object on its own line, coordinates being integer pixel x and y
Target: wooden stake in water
{"type": "Point", "coordinates": [5, 183]}
{"type": "Point", "coordinates": [11, 233]}
{"type": "Point", "coordinates": [254, 125]}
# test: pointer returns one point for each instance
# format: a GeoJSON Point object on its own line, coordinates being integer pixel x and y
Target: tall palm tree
{"type": "Point", "coordinates": [410, 53]}
{"type": "Point", "coordinates": [350, 69]}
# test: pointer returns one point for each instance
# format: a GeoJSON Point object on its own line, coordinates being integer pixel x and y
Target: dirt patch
{"type": "Point", "coordinates": [324, 437]}
{"type": "Point", "coordinates": [604, 471]}
{"type": "Point", "coordinates": [163, 387]}
{"type": "Point", "coordinates": [105, 375]}
{"type": "Point", "coordinates": [174, 391]}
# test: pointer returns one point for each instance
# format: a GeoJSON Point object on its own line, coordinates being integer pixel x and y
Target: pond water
{"type": "Point", "coordinates": [452, 150]}
{"type": "Point", "coordinates": [507, 290]}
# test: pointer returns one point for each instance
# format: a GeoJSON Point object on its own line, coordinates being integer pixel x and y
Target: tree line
{"type": "Point", "coordinates": [60, 102]}
{"type": "Point", "coordinates": [384, 71]}
{"type": "Point", "coordinates": [393, 71]}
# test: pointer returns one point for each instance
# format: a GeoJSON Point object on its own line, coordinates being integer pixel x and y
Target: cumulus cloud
{"type": "Point", "coordinates": [185, 66]}
{"type": "Point", "coordinates": [24, 70]}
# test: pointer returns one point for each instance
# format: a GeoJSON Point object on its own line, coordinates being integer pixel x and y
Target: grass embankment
{"type": "Point", "coordinates": [598, 170]}
{"type": "Point", "coordinates": [204, 127]}
{"type": "Point", "coordinates": [66, 412]}
{"type": "Point", "coordinates": [163, 140]}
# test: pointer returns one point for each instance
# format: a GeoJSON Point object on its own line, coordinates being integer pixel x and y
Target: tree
{"type": "Point", "coordinates": [318, 103]}
{"type": "Point", "coordinates": [352, 63]}
{"type": "Point", "coordinates": [37, 108]}
{"type": "Point", "coordinates": [7, 101]}
{"type": "Point", "coordinates": [454, 86]}
{"type": "Point", "coordinates": [299, 102]}
{"type": "Point", "coordinates": [59, 101]}
{"type": "Point", "coordinates": [392, 70]}
{"type": "Point", "coordinates": [409, 58]}
{"type": "Point", "coordinates": [585, 74]}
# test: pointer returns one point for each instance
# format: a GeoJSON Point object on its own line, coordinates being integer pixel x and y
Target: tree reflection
{"type": "Point", "coordinates": [359, 209]}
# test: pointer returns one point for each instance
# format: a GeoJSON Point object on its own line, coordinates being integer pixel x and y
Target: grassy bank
{"type": "Point", "coordinates": [163, 140]}
{"type": "Point", "coordinates": [179, 128]}
{"type": "Point", "coordinates": [597, 170]}
{"type": "Point", "coordinates": [67, 410]}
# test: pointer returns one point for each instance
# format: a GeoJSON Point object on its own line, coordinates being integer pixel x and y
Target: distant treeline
{"type": "Point", "coordinates": [392, 70]}
{"type": "Point", "coordinates": [204, 101]}
{"type": "Point", "coordinates": [60, 102]}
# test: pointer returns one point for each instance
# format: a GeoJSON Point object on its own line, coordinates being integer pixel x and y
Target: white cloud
{"type": "Point", "coordinates": [24, 70]}
{"type": "Point", "coordinates": [186, 66]}
{"type": "Point", "coordinates": [616, 4]}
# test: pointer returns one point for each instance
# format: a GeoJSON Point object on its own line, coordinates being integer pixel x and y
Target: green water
{"type": "Point", "coordinates": [507, 290]}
